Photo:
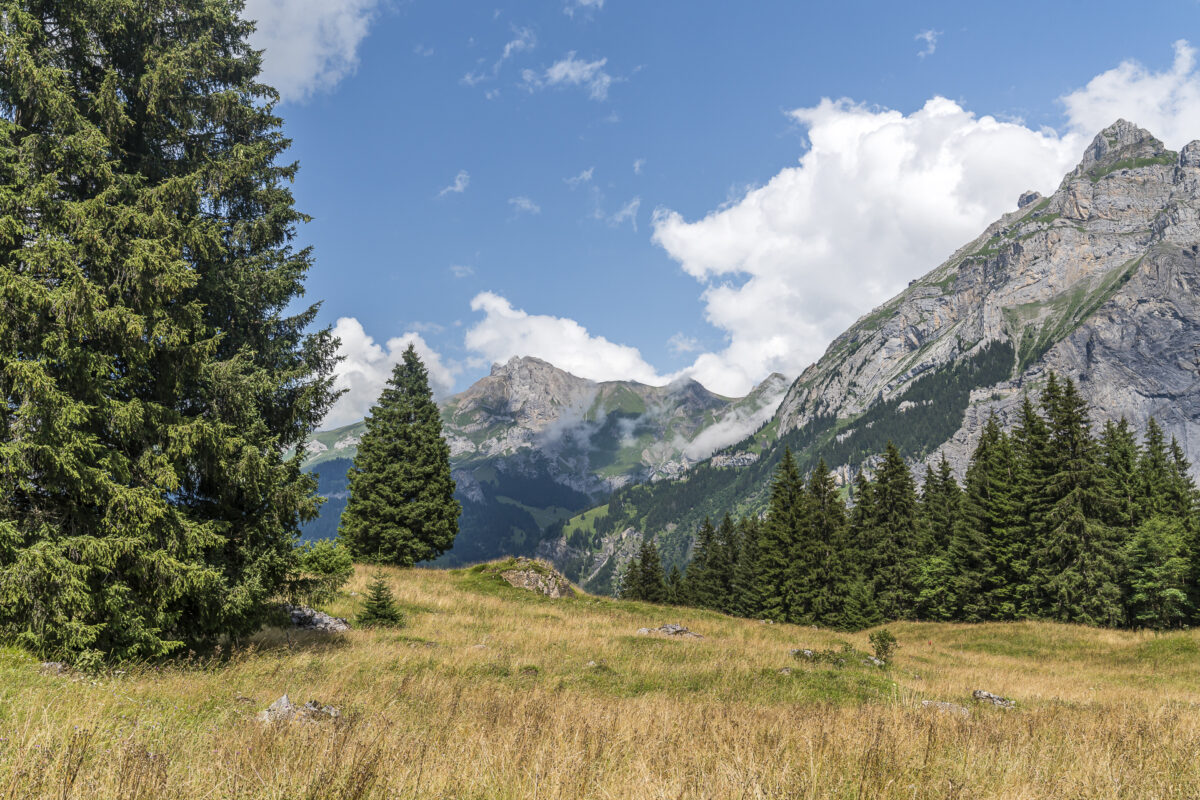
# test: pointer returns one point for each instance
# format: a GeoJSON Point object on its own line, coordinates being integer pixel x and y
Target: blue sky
{"type": "Point", "coordinates": [657, 189]}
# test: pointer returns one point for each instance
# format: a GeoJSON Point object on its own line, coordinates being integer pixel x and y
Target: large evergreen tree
{"type": "Point", "coordinates": [777, 541]}
{"type": "Point", "coordinates": [402, 508]}
{"type": "Point", "coordinates": [1078, 557]}
{"type": "Point", "coordinates": [153, 367]}
{"type": "Point", "coordinates": [895, 558]}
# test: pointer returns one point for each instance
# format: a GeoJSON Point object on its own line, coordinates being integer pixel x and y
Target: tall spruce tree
{"type": "Point", "coordinates": [834, 567]}
{"type": "Point", "coordinates": [1078, 557]}
{"type": "Point", "coordinates": [701, 581]}
{"type": "Point", "coordinates": [776, 545]}
{"type": "Point", "coordinates": [745, 597]}
{"type": "Point", "coordinates": [1118, 463]}
{"type": "Point", "coordinates": [401, 508]}
{"type": "Point", "coordinates": [152, 370]}
{"type": "Point", "coordinates": [644, 579]}
{"type": "Point", "coordinates": [895, 558]}
{"type": "Point", "coordinates": [941, 497]}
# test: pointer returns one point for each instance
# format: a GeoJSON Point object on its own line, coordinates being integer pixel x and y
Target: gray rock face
{"type": "Point", "coordinates": [309, 619]}
{"type": "Point", "coordinates": [1098, 282]}
{"type": "Point", "coordinates": [539, 577]}
{"type": "Point", "coordinates": [993, 699]}
{"type": "Point", "coordinates": [671, 629]}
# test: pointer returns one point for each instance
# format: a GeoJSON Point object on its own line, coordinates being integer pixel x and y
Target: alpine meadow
{"type": "Point", "coordinates": [419, 473]}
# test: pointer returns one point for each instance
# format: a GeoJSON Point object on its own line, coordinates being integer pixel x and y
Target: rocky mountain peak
{"type": "Point", "coordinates": [1121, 141]}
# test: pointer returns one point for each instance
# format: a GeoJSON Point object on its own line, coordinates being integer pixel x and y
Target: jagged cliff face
{"type": "Point", "coordinates": [1098, 281]}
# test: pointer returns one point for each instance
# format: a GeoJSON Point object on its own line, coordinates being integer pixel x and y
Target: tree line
{"type": "Point", "coordinates": [1051, 522]}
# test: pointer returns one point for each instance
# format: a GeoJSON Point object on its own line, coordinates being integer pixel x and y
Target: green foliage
{"type": "Point", "coordinates": [644, 576]}
{"type": "Point", "coordinates": [402, 508]}
{"type": "Point", "coordinates": [1156, 575]}
{"type": "Point", "coordinates": [154, 365]}
{"type": "Point", "coordinates": [884, 643]}
{"type": "Point", "coordinates": [324, 567]}
{"type": "Point", "coordinates": [379, 607]}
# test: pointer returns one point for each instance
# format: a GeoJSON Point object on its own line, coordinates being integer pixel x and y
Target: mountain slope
{"type": "Point", "coordinates": [1098, 282]}
{"type": "Point", "coordinates": [531, 445]}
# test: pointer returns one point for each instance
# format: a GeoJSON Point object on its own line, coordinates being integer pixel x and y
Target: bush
{"type": "Point", "coordinates": [884, 644]}
{"type": "Point", "coordinates": [324, 567]}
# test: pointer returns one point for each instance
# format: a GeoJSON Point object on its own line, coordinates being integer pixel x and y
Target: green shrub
{"type": "Point", "coordinates": [324, 567]}
{"type": "Point", "coordinates": [884, 644]}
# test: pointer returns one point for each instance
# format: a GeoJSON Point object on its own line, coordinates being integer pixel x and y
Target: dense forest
{"type": "Point", "coordinates": [1052, 523]}
{"type": "Point", "coordinates": [915, 421]}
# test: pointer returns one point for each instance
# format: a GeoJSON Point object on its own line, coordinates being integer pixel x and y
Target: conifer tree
{"type": "Point", "coordinates": [675, 591]}
{"type": "Point", "coordinates": [777, 540]}
{"type": "Point", "coordinates": [401, 508]}
{"type": "Point", "coordinates": [379, 608]}
{"type": "Point", "coordinates": [1154, 474]}
{"type": "Point", "coordinates": [1156, 575]}
{"type": "Point", "coordinates": [1031, 444]}
{"type": "Point", "coordinates": [154, 361]}
{"type": "Point", "coordinates": [701, 583]}
{"type": "Point", "coordinates": [644, 579]}
{"type": "Point", "coordinates": [894, 561]}
{"type": "Point", "coordinates": [1077, 560]}
{"type": "Point", "coordinates": [941, 497]}
{"type": "Point", "coordinates": [1119, 462]}
{"type": "Point", "coordinates": [834, 569]}
{"type": "Point", "coordinates": [745, 597]}
{"type": "Point", "coordinates": [724, 563]}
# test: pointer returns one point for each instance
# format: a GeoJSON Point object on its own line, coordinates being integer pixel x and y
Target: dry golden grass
{"type": "Point", "coordinates": [428, 713]}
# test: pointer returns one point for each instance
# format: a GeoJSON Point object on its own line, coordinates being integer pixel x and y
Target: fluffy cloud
{"type": "Point", "coordinates": [574, 6]}
{"type": "Point", "coordinates": [1165, 103]}
{"type": "Point", "coordinates": [310, 44]}
{"type": "Point", "coordinates": [505, 332]}
{"type": "Point", "coordinates": [581, 178]}
{"type": "Point", "coordinates": [366, 366]}
{"type": "Point", "coordinates": [879, 198]}
{"type": "Point", "coordinates": [682, 343]}
{"type": "Point", "coordinates": [572, 71]}
{"type": "Point", "coordinates": [461, 181]}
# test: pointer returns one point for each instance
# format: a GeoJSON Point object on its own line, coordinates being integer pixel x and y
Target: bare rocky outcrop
{"type": "Point", "coordinates": [309, 619]}
{"type": "Point", "coordinates": [284, 710]}
{"type": "Point", "coordinates": [1100, 282]}
{"type": "Point", "coordinates": [670, 629]}
{"type": "Point", "coordinates": [537, 576]}
{"type": "Point", "coordinates": [993, 699]}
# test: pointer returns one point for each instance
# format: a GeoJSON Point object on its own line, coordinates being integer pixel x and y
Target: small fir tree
{"type": "Point", "coordinates": [379, 608]}
{"type": "Point", "coordinates": [401, 508]}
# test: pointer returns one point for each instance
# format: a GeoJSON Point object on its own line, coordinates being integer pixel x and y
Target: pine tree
{"type": "Point", "coordinates": [1077, 561]}
{"type": "Point", "coordinates": [1031, 443]}
{"type": "Point", "coordinates": [644, 579]}
{"type": "Point", "coordinates": [777, 539]}
{"type": "Point", "coordinates": [1156, 574]}
{"type": "Point", "coordinates": [941, 497]}
{"type": "Point", "coordinates": [401, 508]}
{"type": "Point", "coordinates": [895, 558]}
{"type": "Point", "coordinates": [1154, 474]}
{"type": "Point", "coordinates": [379, 608]}
{"type": "Point", "coordinates": [701, 583]}
{"type": "Point", "coordinates": [675, 592]}
{"type": "Point", "coordinates": [835, 567]}
{"type": "Point", "coordinates": [154, 371]}
{"type": "Point", "coordinates": [1119, 461]}
{"type": "Point", "coordinates": [745, 597]}
{"type": "Point", "coordinates": [724, 564]}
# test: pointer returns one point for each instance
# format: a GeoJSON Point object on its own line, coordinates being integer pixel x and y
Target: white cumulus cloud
{"type": "Point", "coordinates": [882, 197]}
{"type": "Point", "coordinates": [522, 204]}
{"type": "Point", "coordinates": [505, 332]}
{"type": "Point", "coordinates": [310, 45]}
{"type": "Point", "coordinates": [930, 38]}
{"type": "Point", "coordinates": [574, 6]}
{"type": "Point", "coordinates": [366, 365]}
{"type": "Point", "coordinates": [1165, 103]}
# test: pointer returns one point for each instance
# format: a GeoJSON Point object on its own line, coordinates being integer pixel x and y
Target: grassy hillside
{"type": "Point", "coordinates": [492, 692]}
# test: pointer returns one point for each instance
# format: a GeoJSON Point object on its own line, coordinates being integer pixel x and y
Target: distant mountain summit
{"type": "Point", "coordinates": [1098, 281]}
{"type": "Point", "coordinates": [532, 444]}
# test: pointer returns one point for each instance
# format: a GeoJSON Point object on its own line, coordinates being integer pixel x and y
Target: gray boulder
{"type": "Point", "coordinates": [309, 619]}
{"type": "Point", "coordinates": [994, 699]}
{"type": "Point", "coordinates": [284, 710]}
{"type": "Point", "coordinates": [671, 629]}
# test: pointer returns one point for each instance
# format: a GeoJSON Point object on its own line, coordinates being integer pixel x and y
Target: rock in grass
{"type": "Point", "coordinates": [52, 668]}
{"type": "Point", "coordinates": [284, 710]}
{"type": "Point", "coordinates": [309, 619]}
{"type": "Point", "coordinates": [947, 708]}
{"type": "Point", "coordinates": [671, 629]}
{"type": "Point", "coordinates": [537, 576]}
{"type": "Point", "coordinates": [987, 697]}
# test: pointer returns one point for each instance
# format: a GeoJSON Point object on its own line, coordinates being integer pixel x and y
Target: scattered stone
{"type": "Point", "coordinates": [785, 671]}
{"type": "Point", "coordinates": [768, 622]}
{"type": "Point", "coordinates": [309, 619]}
{"type": "Point", "coordinates": [872, 661]}
{"type": "Point", "coordinates": [538, 576]}
{"type": "Point", "coordinates": [987, 697]}
{"type": "Point", "coordinates": [947, 708]}
{"type": "Point", "coordinates": [592, 664]}
{"type": "Point", "coordinates": [807, 655]}
{"type": "Point", "coordinates": [479, 647]}
{"type": "Point", "coordinates": [52, 668]}
{"type": "Point", "coordinates": [284, 710]}
{"type": "Point", "coordinates": [243, 699]}
{"type": "Point", "coordinates": [671, 629]}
